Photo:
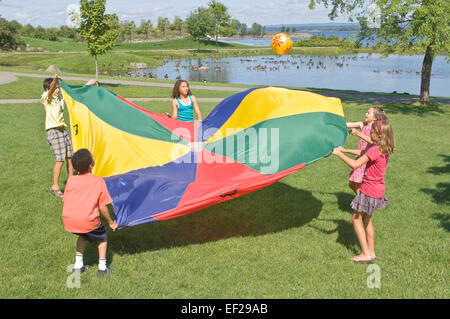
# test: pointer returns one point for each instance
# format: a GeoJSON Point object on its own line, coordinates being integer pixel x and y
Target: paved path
{"type": "Point", "coordinates": [9, 75]}
{"type": "Point", "coordinates": [131, 99]}
{"type": "Point", "coordinates": [6, 77]}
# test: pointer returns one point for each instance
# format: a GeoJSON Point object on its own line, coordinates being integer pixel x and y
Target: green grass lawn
{"type": "Point", "coordinates": [67, 45]}
{"type": "Point", "coordinates": [293, 239]}
{"type": "Point", "coordinates": [63, 44]}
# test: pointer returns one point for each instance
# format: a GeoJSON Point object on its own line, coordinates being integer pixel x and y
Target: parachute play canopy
{"type": "Point", "coordinates": [157, 168]}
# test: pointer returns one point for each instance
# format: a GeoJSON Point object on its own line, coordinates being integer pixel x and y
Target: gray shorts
{"type": "Point", "coordinates": [60, 143]}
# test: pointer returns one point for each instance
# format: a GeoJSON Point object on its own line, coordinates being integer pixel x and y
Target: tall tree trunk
{"type": "Point", "coordinates": [198, 46]}
{"type": "Point", "coordinates": [426, 76]}
{"type": "Point", "coordinates": [96, 67]}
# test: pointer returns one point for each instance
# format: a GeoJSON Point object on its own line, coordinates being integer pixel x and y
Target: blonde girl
{"type": "Point", "coordinates": [373, 114]}
{"type": "Point", "coordinates": [371, 195]}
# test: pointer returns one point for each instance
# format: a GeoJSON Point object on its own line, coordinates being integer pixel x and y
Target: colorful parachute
{"type": "Point", "coordinates": [157, 168]}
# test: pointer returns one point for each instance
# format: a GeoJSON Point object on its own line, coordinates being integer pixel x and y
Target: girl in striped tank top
{"type": "Point", "coordinates": [184, 103]}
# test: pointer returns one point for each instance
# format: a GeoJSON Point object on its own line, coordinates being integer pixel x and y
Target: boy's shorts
{"type": "Point", "coordinates": [60, 143]}
{"type": "Point", "coordinates": [98, 234]}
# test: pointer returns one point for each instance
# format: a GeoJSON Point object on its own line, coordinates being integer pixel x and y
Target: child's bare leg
{"type": "Point", "coordinates": [354, 186]}
{"type": "Point", "coordinates": [102, 268]}
{"type": "Point", "coordinates": [56, 172]}
{"type": "Point", "coordinates": [69, 167]}
{"type": "Point", "coordinates": [370, 234]}
{"type": "Point", "coordinates": [102, 249]}
{"type": "Point", "coordinates": [81, 245]}
{"type": "Point", "coordinates": [360, 231]}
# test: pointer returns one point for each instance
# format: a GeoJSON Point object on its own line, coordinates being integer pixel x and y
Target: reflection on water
{"type": "Point", "coordinates": [361, 72]}
{"type": "Point", "coordinates": [266, 41]}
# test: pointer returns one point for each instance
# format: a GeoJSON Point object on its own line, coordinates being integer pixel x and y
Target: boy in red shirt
{"type": "Point", "coordinates": [85, 198]}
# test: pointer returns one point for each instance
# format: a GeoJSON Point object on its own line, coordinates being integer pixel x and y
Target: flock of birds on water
{"type": "Point", "coordinates": [268, 64]}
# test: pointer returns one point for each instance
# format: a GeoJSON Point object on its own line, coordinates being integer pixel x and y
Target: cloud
{"type": "Point", "coordinates": [21, 16]}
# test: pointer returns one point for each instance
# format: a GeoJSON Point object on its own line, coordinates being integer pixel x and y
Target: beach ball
{"type": "Point", "coordinates": [281, 43]}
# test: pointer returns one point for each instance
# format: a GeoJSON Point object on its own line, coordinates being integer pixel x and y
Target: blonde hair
{"type": "Point", "coordinates": [386, 134]}
{"type": "Point", "coordinates": [379, 114]}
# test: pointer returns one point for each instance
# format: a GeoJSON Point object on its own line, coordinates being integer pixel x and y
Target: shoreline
{"type": "Point", "coordinates": [267, 36]}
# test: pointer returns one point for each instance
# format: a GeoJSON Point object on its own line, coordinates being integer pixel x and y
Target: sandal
{"type": "Point", "coordinates": [56, 192]}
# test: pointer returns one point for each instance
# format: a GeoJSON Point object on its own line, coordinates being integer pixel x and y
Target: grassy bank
{"type": "Point", "coordinates": [66, 45]}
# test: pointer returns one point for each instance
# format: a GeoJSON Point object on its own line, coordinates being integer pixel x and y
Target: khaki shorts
{"type": "Point", "coordinates": [60, 143]}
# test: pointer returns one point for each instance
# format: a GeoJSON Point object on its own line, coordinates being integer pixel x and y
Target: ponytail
{"type": "Point", "coordinates": [383, 128]}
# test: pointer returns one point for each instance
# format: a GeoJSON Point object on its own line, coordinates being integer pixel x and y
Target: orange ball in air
{"type": "Point", "coordinates": [281, 43]}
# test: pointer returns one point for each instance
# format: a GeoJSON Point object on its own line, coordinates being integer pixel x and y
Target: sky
{"type": "Point", "coordinates": [54, 13]}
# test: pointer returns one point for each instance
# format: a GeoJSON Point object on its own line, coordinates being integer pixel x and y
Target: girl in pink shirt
{"type": "Point", "coordinates": [371, 195]}
{"type": "Point", "coordinates": [373, 114]}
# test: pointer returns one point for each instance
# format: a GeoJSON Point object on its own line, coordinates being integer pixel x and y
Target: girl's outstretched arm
{"type": "Point", "coordinates": [197, 108]}
{"type": "Point", "coordinates": [355, 125]}
{"type": "Point", "coordinates": [356, 152]}
{"type": "Point", "coordinates": [360, 135]}
{"type": "Point", "coordinates": [350, 161]}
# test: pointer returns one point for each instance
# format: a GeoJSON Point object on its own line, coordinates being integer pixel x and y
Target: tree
{"type": "Point", "coordinates": [68, 32]}
{"type": "Point", "coordinates": [177, 25]}
{"type": "Point", "coordinates": [258, 30]}
{"type": "Point", "coordinates": [145, 28]}
{"type": "Point", "coordinates": [412, 26]}
{"type": "Point", "coordinates": [163, 24]}
{"type": "Point", "coordinates": [126, 28]}
{"type": "Point", "coordinates": [221, 17]}
{"type": "Point", "coordinates": [27, 30]}
{"type": "Point", "coordinates": [243, 30]}
{"type": "Point", "coordinates": [235, 24]}
{"type": "Point", "coordinates": [100, 30]}
{"type": "Point", "coordinates": [227, 31]}
{"type": "Point", "coordinates": [200, 24]}
{"type": "Point", "coordinates": [9, 34]}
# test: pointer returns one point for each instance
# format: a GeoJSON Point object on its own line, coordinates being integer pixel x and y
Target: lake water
{"type": "Point", "coordinates": [266, 42]}
{"type": "Point", "coordinates": [361, 72]}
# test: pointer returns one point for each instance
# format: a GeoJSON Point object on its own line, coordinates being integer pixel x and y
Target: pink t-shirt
{"type": "Point", "coordinates": [82, 197]}
{"type": "Point", "coordinates": [373, 181]}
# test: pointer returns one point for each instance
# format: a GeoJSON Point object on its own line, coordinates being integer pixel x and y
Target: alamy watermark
{"type": "Point", "coordinates": [373, 16]}
{"type": "Point", "coordinates": [74, 279]}
{"type": "Point", "coordinates": [374, 279]}
{"type": "Point", "coordinates": [73, 15]}
{"type": "Point", "coordinates": [249, 146]}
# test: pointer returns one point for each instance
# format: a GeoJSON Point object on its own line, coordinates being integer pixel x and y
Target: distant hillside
{"type": "Point", "coordinates": [315, 27]}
